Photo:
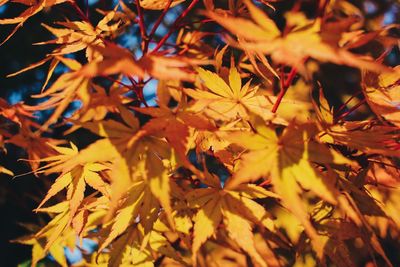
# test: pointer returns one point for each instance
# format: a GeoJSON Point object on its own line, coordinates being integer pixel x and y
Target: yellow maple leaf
{"type": "Point", "coordinates": [176, 126]}
{"type": "Point", "coordinates": [227, 102]}
{"type": "Point", "coordinates": [34, 7]}
{"type": "Point", "coordinates": [382, 93]}
{"type": "Point", "coordinates": [287, 160]}
{"type": "Point", "coordinates": [367, 136]}
{"type": "Point", "coordinates": [158, 4]}
{"type": "Point", "coordinates": [67, 88]}
{"type": "Point", "coordinates": [79, 35]}
{"type": "Point", "coordinates": [74, 180]}
{"type": "Point", "coordinates": [262, 36]}
{"type": "Point", "coordinates": [236, 208]}
{"type": "Point", "coordinates": [120, 60]}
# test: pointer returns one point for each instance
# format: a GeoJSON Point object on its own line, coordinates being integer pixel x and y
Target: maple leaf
{"type": "Point", "coordinates": [175, 125]}
{"type": "Point", "coordinates": [390, 197]}
{"type": "Point", "coordinates": [293, 147]}
{"type": "Point", "coordinates": [337, 232]}
{"type": "Point", "coordinates": [39, 253]}
{"type": "Point", "coordinates": [54, 229]}
{"type": "Point", "coordinates": [119, 60]}
{"type": "Point", "coordinates": [236, 208]}
{"type": "Point", "coordinates": [75, 179]}
{"type": "Point", "coordinates": [100, 104]}
{"type": "Point", "coordinates": [55, 162]}
{"type": "Point", "coordinates": [79, 35]}
{"type": "Point", "coordinates": [192, 44]}
{"type": "Point", "coordinates": [383, 172]}
{"type": "Point", "coordinates": [325, 185]}
{"type": "Point", "coordinates": [35, 146]}
{"type": "Point", "coordinates": [18, 113]}
{"type": "Point", "coordinates": [140, 206]}
{"type": "Point", "coordinates": [158, 4]}
{"type": "Point", "coordinates": [132, 161]}
{"type": "Point", "coordinates": [58, 233]}
{"type": "Point", "coordinates": [113, 147]}
{"type": "Point", "coordinates": [67, 88]}
{"type": "Point", "coordinates": [6, 171]}
{"type": "Point", "coordinates": [288, 161]}
{"type": "Point", "coordinates": [34, 8]}
{"type": "Point", "coordinates": [263, 36]}
{"type": "Point", "coordinates": [382, 94]}
{"type": "Point", "coordinates": [127, 213]}
{"type": "Point", "coordinates": [366, 136]}
{"type": "Point", "coordinates": [357, 203]}
{"type": "Point", "coordinates": [127, 247]}
{"type": "Point", "coordinates": [227, 102]}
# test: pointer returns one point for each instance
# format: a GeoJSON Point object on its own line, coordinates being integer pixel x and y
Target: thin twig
{"type": "Point", "coordinates": [142, 27]}
{"type": "Point", "coordinates": [174, 25]}
{"type": "Point", "coordinates": [79, 10]}
{"type": "Point", "coordinates": [351, 110]}
{"type": "Point", "coordinates": [285, 84]}
{"type": "Point", "coordinates": [87, 8]}
{"type": "Point", "coordinates": [156, 25]}
{"type": "Point", "coordinates": [347, 102]}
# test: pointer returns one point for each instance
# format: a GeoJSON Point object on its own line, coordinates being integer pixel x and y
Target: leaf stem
{"type": "Point", "coordinates": [347, 102]}
{"type": "Point", "coordinates": [284, 86]}
{"type": "Point", "coordinates": [351, 110]}
{"type": "Point", "coordinates": [322, 4]}
{"type": "Point", "coordinates": [265, 183]}
{"type": "Point", "coordinates": [156, 25]}
{"type": "Point", "coordinates": [174, 25]}
{"type": "Point", "coordinates": [142, 28]}
{"type": "Point", "coordinates": [87, 8]}
{"type": "Point", "coordinates": [79, 10]}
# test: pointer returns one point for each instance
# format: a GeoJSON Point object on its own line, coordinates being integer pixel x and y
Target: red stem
{"type": "Point", "coordinates": [177, 21]}
{"type": "Point", "coordinates": [383, 55]}
{"type": "Point", "coordinates": [351, 110]}
{"type": "Point", "coordinates": [79, 10]}
{"type": "Point", "coordinates": [284, 86]}
{"type": "Point", "coordinates": [142, 28]}
{"type": "Point", "coordinates": [265, 182]}
{"type": "Point", "coordinates": [156, 25]}
{"type": "Point", "coordinates": [87, 8]}
{"type": "Point", "coordinates": [322, 4]}
{"type": "Point", "coordinates": [138, 88]}
{"type": "Point", "coordinates": [347, 102]}
{"type": "Point", "coordinates": [290, 78]}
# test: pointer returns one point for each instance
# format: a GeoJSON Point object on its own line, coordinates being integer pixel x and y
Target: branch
{"type": "Point", "coordinates": [142, 28]}
{"type": "Point", "coordinates": [156, 25]}
{"type": "Point", "coordinates": [284, 86]}
{"type": "Point", "coordinates": [177, 21]}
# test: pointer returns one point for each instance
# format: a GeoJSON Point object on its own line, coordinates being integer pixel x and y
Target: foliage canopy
{"type": "Point", "coordinates": [246, 158]}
